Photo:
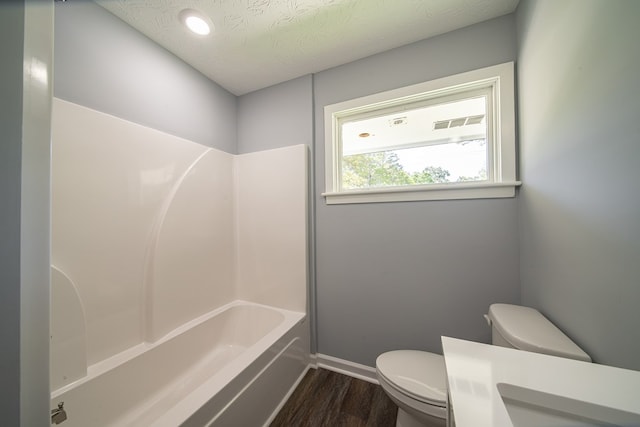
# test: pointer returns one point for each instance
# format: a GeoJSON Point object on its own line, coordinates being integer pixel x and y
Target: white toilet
{"type": "Point", "coordinates": [416, 380]}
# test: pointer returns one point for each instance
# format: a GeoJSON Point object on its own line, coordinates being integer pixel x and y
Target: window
{"type": "Point", "coordinates": [451, 138]}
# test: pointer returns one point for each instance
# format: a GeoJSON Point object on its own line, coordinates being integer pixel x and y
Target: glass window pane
{"type": "Point", "coordinates": [435, 144]}
{"type": "Point", "coordinates": [434, 164]}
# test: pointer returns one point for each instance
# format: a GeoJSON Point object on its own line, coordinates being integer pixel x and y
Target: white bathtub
{"type": "Point", "coordinates": [232, 367]}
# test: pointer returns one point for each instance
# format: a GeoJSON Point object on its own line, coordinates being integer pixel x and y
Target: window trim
{"type": "Point", "coordinates": [502, 152]}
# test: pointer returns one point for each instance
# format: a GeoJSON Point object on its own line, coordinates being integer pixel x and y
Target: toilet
{"type": "Point", "coordinates": [416, 380]}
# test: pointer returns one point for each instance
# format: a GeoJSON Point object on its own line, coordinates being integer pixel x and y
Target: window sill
{"type": "Point", "coordinates": [425, 192]}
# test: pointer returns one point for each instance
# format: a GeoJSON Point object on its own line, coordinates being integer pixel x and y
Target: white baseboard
{"type": "Point", "coordinates": [352, 369]}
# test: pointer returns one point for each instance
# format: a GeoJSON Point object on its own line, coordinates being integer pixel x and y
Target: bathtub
{"type": "Point", "coordinates": [232, 367]}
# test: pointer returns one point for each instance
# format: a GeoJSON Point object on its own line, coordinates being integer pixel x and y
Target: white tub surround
{"type": "Point", "coordinates": [495, 386]}
{"type": "Point", "coordinates": [151, 234]}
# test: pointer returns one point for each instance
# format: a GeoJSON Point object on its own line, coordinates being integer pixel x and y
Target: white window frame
{"type": "Point", "coordinates": [501, 171]}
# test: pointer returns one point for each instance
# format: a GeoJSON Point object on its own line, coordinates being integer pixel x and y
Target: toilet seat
{"type": "Point", "coordinates": [417, 374]}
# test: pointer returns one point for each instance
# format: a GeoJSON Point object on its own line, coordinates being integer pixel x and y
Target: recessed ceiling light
{"type": "Point", "coordinates": [196, 22]}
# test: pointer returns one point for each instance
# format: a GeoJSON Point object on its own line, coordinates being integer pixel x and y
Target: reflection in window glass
{"type": "Point", "coordinates": [434, 144]}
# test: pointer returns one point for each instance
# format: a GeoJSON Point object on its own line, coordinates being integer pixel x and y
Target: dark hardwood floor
{"type": "Point", "coordinates": [326, 398]}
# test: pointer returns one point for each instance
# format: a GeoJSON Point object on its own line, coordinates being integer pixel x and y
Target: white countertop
{"type": "Point", "coordinates": [478, 373]}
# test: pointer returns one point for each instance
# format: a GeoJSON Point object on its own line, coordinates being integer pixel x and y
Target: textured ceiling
{"type": "Point", "coordinates": [258, 43]}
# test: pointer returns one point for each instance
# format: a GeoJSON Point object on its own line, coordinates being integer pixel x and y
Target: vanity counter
{"type": "Point", "coordinates": [491, 386]}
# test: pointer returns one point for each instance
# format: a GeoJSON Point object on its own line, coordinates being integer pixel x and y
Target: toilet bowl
{"type": "Point", "coordinates": [416, 380]}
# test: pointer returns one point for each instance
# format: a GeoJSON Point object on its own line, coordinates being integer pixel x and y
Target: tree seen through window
{"type": "Point", "coordinates": [385, 169]}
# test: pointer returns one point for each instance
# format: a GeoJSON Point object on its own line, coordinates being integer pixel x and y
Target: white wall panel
{"type": "Point", "coordinates": [193, 259]}
{"type": "Point", "coordinates": [68, 351]}
{"type": "Point", "coordinates": [109, 179]}
{"type": "Point", "coordinates": [272, 231]}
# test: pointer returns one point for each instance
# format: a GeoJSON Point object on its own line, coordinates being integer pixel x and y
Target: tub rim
{"type": "Point", "coordinates": [104, 366]}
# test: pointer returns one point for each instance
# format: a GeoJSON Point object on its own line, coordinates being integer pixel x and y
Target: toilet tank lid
{"type": "Point", "coordinates": [526, 328]}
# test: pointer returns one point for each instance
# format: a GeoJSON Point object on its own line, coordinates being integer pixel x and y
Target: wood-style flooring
{"type": "Point", "coordinates": [326, 398]}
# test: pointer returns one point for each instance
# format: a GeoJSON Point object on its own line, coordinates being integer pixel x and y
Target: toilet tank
{"type": "Point", "coordinates": [527, 329]}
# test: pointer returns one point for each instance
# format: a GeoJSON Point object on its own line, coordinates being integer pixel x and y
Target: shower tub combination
{"type": "Point", "coordinates": [232, 367]}
{"type": "Point", "coordinates": [172, 301]}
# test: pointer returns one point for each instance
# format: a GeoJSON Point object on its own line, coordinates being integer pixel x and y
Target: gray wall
{"type": "Point", "coordinates": [104, 64]}
{"type": "Point", "coordinates": [11, 49]}
{"type": "Point", "coordinates": [278, 116]}
{"type": "Point", "coordinates": [579, 109]}
{"type": "Point", "coordinates": [25, 100]}
{"type": "Point", "coordinates": [400, 275]}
